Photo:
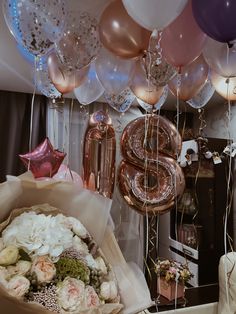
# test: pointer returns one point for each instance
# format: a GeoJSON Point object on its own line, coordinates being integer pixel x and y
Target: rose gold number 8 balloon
{"type": "Point", "coordinates": [149, 178]}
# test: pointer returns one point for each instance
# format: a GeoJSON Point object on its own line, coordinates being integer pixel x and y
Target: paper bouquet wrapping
{"type": "Point", "coordinates": [98, 281]}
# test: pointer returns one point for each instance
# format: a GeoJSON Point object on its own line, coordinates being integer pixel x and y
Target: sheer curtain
{"type": "Point", "coordinates": [15, 116]}
{"type": "Point", "coordinates": [66, 126]}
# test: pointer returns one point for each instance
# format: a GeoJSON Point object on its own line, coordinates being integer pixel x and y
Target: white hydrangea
{"type": "Point", "coordinates": [40, 235]}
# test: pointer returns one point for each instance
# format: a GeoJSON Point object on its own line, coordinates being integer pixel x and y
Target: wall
{"type": "Point", "coordinates": [218, 126]}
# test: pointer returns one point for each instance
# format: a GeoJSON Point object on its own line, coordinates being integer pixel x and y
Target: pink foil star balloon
{"type": "Point", "coordinates": [44, 160]}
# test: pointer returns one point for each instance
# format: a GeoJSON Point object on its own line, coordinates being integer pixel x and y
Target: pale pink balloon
{"type": "Point", "coordinates": [182, 41]}
{"type": "Point", "coordinates": [65, 174]}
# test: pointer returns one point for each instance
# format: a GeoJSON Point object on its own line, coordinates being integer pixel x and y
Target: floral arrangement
{"type": "Point", "coordinates": [52, 260]}
{"type": "Point", "coordinates": [170, 271]}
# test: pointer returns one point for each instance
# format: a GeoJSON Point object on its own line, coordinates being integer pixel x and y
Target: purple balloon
{"type": "Point", "coordinates": [216, 18]}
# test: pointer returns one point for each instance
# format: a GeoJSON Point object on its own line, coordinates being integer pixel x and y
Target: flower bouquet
{"type": "Point", "coordinates": [172, 277]}
{"type": "Point", "coordinates": [50, 259]}
{"type": "Point", "coordinates": [80, 211]}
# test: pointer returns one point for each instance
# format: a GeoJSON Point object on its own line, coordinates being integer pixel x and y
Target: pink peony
{"type": "Point", "coordinates": [91, 297]}
{"type": "Point", "coordinates": [71, 294]}
{"type": "Point", "coordinates": [44, 268]}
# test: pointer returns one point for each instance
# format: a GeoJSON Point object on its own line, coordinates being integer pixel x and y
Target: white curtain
{"type": "Point", "coordinates": [66, 126]}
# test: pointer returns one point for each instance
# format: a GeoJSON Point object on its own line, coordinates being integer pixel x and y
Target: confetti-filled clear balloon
{"type": "Point", "coordinates": [35, 24]}
{"type": "Point", "coordinates": [91, 89]}
{"type": "Point", "coordinates": [161, 74]}
{"type": "Point", "coordinates": [202, 98]}
{"type": "Point", "coordinates": [158, 105]}
{"type": "Point", "coordinates": [80, 43]}
{"type": "Point", "coordinates": [43, 81]}
{"type": "Point", "coordinates": [121, 102]}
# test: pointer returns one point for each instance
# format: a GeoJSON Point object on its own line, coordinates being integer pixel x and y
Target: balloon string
{"type": "Point", "coordinates": [175, 178]}
{"type": "Point", "coordinates": [69, 133]}
{"type": "Point", "coordinates": [32, 107]}
{"type": "Point", "coordinates": [228, 190]}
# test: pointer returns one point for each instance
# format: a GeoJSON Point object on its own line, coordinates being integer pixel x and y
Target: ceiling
{"type": "Point", "coordinates": [16, 74]}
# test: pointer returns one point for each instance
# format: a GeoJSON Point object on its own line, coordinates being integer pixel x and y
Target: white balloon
{"type": "Point", "coordinates": [91, 89]}
{"type": "Point", "coordinates": [202, 98]}
{"type": "Point", "coordinates": [220, 57]}
{"type": "Point", "coordinates": [154, 14]}
{"type": "Point", "coordinates": [113, 72]}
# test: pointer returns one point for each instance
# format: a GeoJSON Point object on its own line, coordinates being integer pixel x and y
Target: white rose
{"type": "Point", "coordinates": [21, 268]}
{"type": "Point", "coordinates": [1, 244]}
{"type": "Point", "coordinates": [71, 293]}
{"type": "Point", "coordinates": [80, 245]}
{"type": "Point", "coordinates": [90, 261]}
{"type": "Point", "coordinates": [91, 298]}
{"type": "Point", "coordinates": [9, 255]}
{"type": "Point", "coordinates": [18, 286]}
{"type": "Point", "coordinates": [101, 265]}
{"type": "Point", "coordinates": [44, 268]}
{"type": "Point", "coordinates": [77, 227]}
{"type": "Point", "coordinates": [3, 276]}
{"type": "Point", "coordinates": [108, 290]}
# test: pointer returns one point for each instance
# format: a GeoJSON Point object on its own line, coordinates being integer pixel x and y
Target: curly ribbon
{"type": "Point", "coordinates": [32, 108]}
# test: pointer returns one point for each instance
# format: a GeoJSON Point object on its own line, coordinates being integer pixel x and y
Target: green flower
{"type": "Point", "coordinates": [68, 267]}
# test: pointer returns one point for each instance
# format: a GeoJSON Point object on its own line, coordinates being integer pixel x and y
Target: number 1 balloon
{"type": "Point", "coordinates": [99, 154]}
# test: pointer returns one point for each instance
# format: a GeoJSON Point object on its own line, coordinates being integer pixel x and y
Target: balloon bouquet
{"type": "Point", "coordinates": [138, 50]}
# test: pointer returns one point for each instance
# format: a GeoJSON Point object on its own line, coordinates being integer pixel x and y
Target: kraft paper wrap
{"type": "Point", "coordinates": [93, 211]}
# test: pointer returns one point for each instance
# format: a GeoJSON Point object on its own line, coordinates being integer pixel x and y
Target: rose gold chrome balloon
{"type": "Point", "coordinates": [162, 137]}
{"type": "Point", "coordinates": [99, 154]}
{"type": "Point", "coordinates": [149, 181]}
{"type": "Point", "coordinates": [143, 88]}
{"type": "Point", "coordinates": [153, 190]}
{"type": "Point", "coordinates": [120, 34]}
{"type": "Point", "coordinates": [65, 79]}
